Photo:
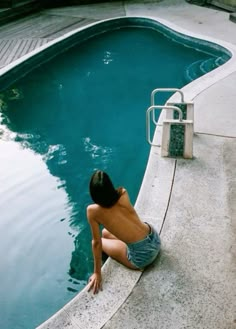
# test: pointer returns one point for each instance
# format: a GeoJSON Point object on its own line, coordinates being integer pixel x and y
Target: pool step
{"type": "Point", "coordinates": [201, 67]}
{"type": "Point", "coordinates": [208, 65]}
{"type": "Point", "coordinates": [193, 71]}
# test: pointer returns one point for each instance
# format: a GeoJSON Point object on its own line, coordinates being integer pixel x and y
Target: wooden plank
{"type": "Point", "coordinates": [14, 49]}
{"type": "Point", "coordinates": [8, 51]}
{"type": "Point", "coordinates": [25, 48]}
{"type": "Point", "coordinates": [18, 49]}
{"type": "Point", "coordinates": [4, 46]}
{"type": "Point", "coordinates": [8, 56]}
{"type": "Point", "coordinates": [44, 26]}
{"type": "Point", "coordinates": [22, 36]}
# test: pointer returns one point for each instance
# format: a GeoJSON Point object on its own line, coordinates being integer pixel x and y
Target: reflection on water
{"type": "Point", "coordinates": [34, 246]}
{"type": "Point", "coordinates": [108, 57]}
{"type": "Point", "coordinates": [82, 261]}
{"type": "Point", "coordinates": [96, 151]}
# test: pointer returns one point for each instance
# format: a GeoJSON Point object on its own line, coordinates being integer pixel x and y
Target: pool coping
{"type": "Point", "coordinates": [86, 310]}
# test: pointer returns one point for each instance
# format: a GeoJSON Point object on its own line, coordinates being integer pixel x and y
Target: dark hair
{"type": "Point", "coordinates": [102, 190]}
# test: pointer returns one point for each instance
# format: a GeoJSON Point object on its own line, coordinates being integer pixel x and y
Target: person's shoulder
{"type": "Point", "coordinates": [124, 197]}
{"type": "Point", "coordinates": [122, 190]}
{"type": "Point", "coordinates": [93, 213]}
{"type": "Point", "coordinates": [92, 209]}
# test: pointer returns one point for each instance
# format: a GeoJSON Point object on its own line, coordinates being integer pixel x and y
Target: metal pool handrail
{"type": "Point", "coordinates": [157, 90]}
{"type": "Point", "coordinates": [153, 108]}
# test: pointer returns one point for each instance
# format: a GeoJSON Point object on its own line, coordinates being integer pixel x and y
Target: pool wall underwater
{"type": "Point", "coordinates": [86, 310]}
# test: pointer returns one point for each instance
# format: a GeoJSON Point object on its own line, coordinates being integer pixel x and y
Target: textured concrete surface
{"type": "Point", "coordinates": [192, 202]}
{"type": "Point", "coordinates": [93, 311]}
{"type": "Point", "coordinates": [218, 117]}
{"type": "Point", "coordinates": [208, 22]}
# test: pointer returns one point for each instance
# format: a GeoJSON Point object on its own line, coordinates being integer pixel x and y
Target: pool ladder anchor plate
{"type": "Point", "coordinates": [177, 130]}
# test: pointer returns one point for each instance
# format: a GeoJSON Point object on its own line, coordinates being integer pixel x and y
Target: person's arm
{"type": "Point", "coordinates": [95, 281]}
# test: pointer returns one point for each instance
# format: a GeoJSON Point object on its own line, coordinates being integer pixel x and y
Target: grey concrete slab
{"type": "Point", "coordinates": [201, 20]}
{"type": "Point", "coordinates": [93, 311]}
{"type": "Point", "coordinates": [216, 111]}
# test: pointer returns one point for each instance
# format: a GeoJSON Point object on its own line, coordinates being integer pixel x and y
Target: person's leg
{"type": "Point", "coordinates": [107, 235]}
{"type": "Point", "coordinates": [118, 250]}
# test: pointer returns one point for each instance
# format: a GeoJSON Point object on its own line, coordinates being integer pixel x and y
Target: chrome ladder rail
{"type": "Point", "coordinates": [158, 90]}
{"type": "Point", "coordinates": [169, 121]}
{"type": "Point", "coordinates": [152, 108]}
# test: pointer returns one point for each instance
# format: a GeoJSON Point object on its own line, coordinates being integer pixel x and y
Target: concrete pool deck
{"type": "Point", "coordinates": [192, 284]}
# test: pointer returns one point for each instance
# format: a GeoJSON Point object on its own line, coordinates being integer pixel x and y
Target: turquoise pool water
{"type": "Point", "coordinates": [82, 110]}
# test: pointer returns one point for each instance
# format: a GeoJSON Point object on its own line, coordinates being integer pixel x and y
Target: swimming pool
{"type": "Point", "coordinates": [59, 123]}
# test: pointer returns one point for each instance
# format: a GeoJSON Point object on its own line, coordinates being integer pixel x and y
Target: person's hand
{"type": "Point", "coordinates": [95, 283]}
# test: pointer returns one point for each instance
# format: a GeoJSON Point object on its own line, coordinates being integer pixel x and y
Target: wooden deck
{"type": "Point", "coordinates": [22, 36]}
{"type": "Point", "coordinates": [26, 34]}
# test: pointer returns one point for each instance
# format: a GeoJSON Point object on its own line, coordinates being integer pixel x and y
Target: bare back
{"type": "Point", "coordinates": [120, 220]}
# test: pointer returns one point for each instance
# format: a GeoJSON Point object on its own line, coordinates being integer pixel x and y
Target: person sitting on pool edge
{"type": "Point", "coordinates": [125, 237]}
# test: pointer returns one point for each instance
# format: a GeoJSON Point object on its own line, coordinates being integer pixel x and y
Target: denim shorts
{"type": "Point", "coordinates": [142, 253]}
